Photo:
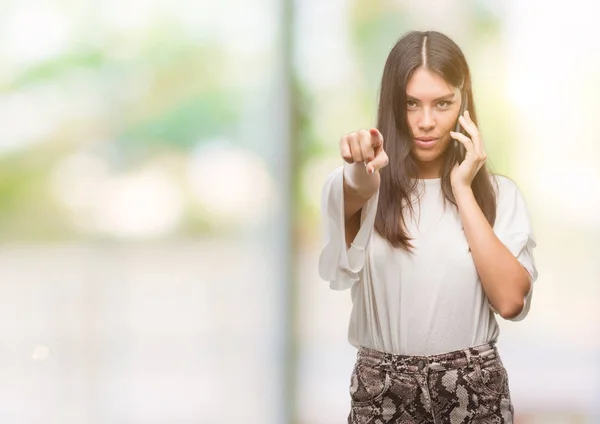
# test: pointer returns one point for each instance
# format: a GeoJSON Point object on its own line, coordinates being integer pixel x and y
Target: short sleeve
{"type": "Point", "coordinates": [338, 265]}
{"type": "Point", "coordinates": [513, 227]}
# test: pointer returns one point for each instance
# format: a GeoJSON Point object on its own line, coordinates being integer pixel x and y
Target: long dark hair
{"type": "Point", "coordinates": [439, 54]}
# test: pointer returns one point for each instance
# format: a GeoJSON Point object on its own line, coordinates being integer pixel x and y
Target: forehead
{"type": "Point", "coordinates": [426, 85]}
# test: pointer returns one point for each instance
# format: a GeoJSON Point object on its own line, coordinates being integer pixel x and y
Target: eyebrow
{"type": "Point", "coordinates": [445, 97]}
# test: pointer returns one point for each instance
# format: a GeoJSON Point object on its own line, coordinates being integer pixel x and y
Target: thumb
{"type": "Point", "coordinates": [379, 161]}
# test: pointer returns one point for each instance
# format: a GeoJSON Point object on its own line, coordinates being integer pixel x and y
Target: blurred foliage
{"type": "Point", "coordinates": [28, 212]}
{"type": "Point", "coordinates": [56, 68]}
{"type": "Point", "coordinates": [207, 115]}
{"type": "Point", "coordinates": [183, 102]}
{"type": "Point", "coordinates": [309, 143]}
{"type": "Point", "coordinates": [165, 95]}
{"type": "Point", "coordinates": [376, 26]}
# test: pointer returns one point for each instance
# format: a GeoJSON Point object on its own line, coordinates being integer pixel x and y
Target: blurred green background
{"type": "Point", "coordinates": [160, 174]}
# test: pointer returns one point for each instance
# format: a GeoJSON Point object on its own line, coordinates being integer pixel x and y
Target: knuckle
{"type": "Point", "coordinates": [347, 158]}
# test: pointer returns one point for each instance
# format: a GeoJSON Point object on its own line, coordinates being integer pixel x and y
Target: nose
{"type": "Point", "coordinates": [426, 121]}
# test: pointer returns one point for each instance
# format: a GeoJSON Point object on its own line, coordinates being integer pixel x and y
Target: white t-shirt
{"type": "Point", "coordinates": [428, 302]}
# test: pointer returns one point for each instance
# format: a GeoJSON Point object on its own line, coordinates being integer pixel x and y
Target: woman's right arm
{"type": "Point", "coordinates": [364, 156]}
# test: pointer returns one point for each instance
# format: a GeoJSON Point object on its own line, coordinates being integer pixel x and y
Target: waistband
{"type": "Point", "coordinates": [481, 354]}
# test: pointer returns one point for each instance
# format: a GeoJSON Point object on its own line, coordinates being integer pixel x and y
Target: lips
{"type": "Point", "coordinates": [426, 142]}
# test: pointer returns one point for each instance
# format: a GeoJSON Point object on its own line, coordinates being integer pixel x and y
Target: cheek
{"type": "Point", "coordinates": [447, 122]}
{"type": "Point", "coordinates": [412, 123]}
{"type": "Point", "coordinates": [446, 140]}
{"type": "Point", "coordinates": [446, 125]}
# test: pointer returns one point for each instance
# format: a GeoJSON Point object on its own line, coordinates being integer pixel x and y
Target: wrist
{"type": "Point", "coordinates": [462, 191]}
{"type": "Point", "coordinates": [361, 182]}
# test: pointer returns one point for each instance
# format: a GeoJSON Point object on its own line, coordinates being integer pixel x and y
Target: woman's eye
{"type": "Point", "coordinates": [411, 103]}
{"type": "Point", "coordinates": [444, 104]}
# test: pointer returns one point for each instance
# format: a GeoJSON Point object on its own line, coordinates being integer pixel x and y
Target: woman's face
{"type": "Point", "coordinates": [432, 110]}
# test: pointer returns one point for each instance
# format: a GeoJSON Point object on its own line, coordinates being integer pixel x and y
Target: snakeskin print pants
{"type": "Point", "coordinates": [465, 386]}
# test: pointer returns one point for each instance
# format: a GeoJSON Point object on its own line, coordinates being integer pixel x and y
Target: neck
{"type": "Point", "coordinates": [430, 170]}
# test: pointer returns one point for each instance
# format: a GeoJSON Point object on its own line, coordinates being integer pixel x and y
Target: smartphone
{"type": "Point", "coordinates": [458, 146]}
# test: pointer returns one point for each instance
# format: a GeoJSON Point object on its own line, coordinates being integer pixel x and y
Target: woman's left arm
{"type": "Point", "coordinates": [505, 281]}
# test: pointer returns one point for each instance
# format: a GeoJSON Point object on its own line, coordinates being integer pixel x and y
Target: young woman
{"type": "Point", "coordinates": [432, 245]}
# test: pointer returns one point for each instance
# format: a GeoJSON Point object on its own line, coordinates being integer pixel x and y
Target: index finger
{"type": "Point", "coordinates": [468, 124]}
{"type": "Point", "coordinates": [376, 137]}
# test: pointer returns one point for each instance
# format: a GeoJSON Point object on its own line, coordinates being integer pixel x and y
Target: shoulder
{"type": "Point", "coordinates": [508, 195]}
{"type": "Point", "coordinates": [504, 186]}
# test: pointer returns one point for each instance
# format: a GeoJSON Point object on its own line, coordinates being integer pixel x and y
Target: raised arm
{"type": "Point", "coordinates": [364, 156]}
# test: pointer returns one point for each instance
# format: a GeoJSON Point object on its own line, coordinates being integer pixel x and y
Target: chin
{"type": "Point", "coordinates": [427, 156]}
